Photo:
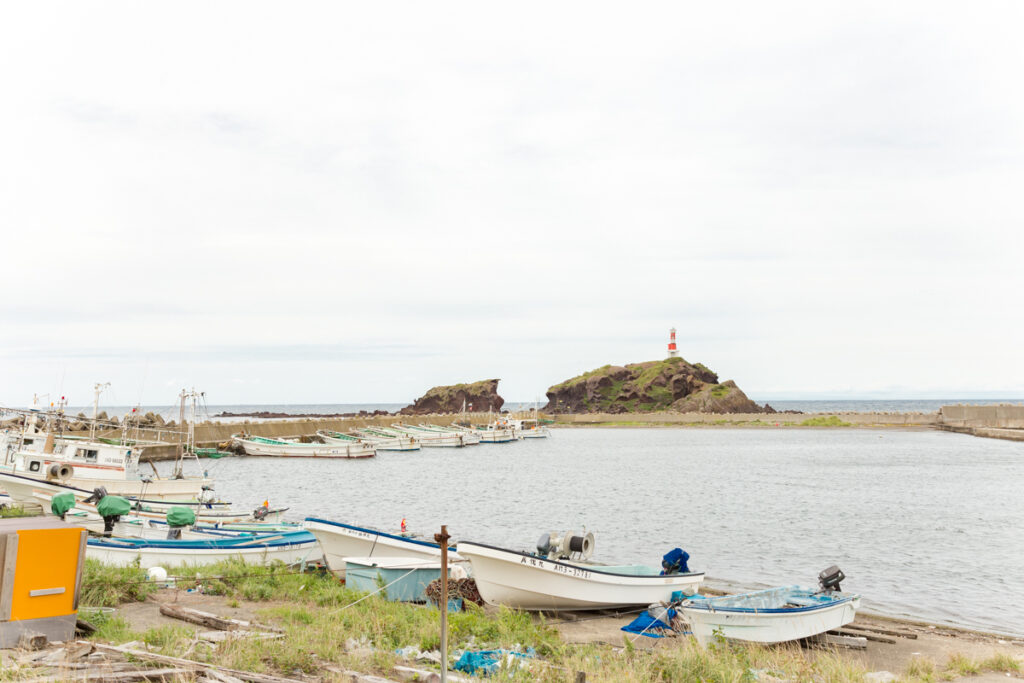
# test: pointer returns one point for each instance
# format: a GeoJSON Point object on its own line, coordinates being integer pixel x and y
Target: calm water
{"type": "Point", "coordinates": [206, 412]}
{"type": "Point", "coordinates": [925, 524]}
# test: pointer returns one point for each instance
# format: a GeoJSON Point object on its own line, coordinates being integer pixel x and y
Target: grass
{"type": "Point", "coordinates": [107, 586]}
{"type": "Point", "coordinates": [921, 670]}
{"type": "Point", "coordinates": [720, 391]}
{"type": "Point", "coordinates": [17, 511]}
{"type": "Point", "coordinates": [830, 421]}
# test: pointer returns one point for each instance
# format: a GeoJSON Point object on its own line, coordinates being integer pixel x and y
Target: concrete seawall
{"type": "Point", "coordinates": [994, 422]}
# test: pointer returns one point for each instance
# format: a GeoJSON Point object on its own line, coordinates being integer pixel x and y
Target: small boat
{"type": "Point", "coordinates": [290, 548]}
{"type": "Point", "coordinates": [259, 445]}
{"type": "Point", "coordinates": [530, 428]}
{"type": "Point", "coordinates": [436, 438]}
{"type": "Point", "coordinates": [775, 615]}
{"type": "Point", "coordinates": [539, 582]}
{"type": "Point", "coordinates": [340, 541]}
{"type": "Point", "coordinates": [499, 431]}
{"type": "Point", "coordinates": [388, 441]}
{"type": "Point", "coordinates": [393, 443]}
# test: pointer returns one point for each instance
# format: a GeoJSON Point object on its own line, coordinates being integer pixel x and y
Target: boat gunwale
{"type": "Point", "coordinates": [576, 566]}
{"type": "Point", "coordinates": [365, 530]}
{"type": "Point", "coordinates": [707, 604]}
{"type": "Point", "coordinates": [210, 505]}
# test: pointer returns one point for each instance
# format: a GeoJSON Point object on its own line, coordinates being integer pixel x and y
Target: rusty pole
{"type": "Point", "coordinates": [442, 540]}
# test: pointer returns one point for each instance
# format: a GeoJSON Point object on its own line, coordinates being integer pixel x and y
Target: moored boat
{"type": "Point", "coordinates": [259, 445]}
{"type": "Point", "coordinates": [539, 583]}
{"type": "Point", "coordinates": [340, 541]}
{"type": "Point", "coordinates": [436, 438]}
{"type": "Point", "coordinates": [384, 440]}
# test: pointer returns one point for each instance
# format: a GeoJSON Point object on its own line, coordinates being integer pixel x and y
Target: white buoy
{"type": "Point", "coordinates": [157, 574]}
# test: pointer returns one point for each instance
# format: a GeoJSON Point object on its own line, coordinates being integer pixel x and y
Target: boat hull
{"type": "Point", "coordinates": [767, 625]}
{"type": "Point", "coordinates": [110, 553]}
{"type": "Point", "coordinates": [305, 450]}
{"type": "Point", "coordinates": [170, 489]}
{"type": "Point", "coordinates": [514, 579]}
{"type": "Point", "coordinates": [340, 541]}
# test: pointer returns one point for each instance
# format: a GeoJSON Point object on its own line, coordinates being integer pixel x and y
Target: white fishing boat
{"type": "Point", "coordinates": [498, 431]}
{"type": "Point", "coordinates": [44, 452]}
{"type": "Point", "coordinates": [538, 583]}
{"type": "Point", "coordinates": [776, 615]}
{"type": "Point", "coordinates": [435, 438]}
{"type": "Point", "coordinates": [529, 428]}
{"type": "Point", "coordinates": [157, 510]}
{"type": "Point", "coordinates": [378, 443]}
{"type": "Point", "coordinates": [383, 440]}
{"type": "Point", "coordinates": [340, 541]}
{"type": "Point", "coordinates": [280, 448]}
{"type": "Point", "coordinates": [290, 548]}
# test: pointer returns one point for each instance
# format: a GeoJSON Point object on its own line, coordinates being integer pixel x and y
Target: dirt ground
{"type": "Point", "coordinates": [933, 642]}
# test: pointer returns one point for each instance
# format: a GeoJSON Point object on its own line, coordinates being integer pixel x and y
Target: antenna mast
{"type": "Point", "coordinates": [97, 389]}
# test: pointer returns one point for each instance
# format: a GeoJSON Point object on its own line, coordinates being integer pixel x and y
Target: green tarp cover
{"type": "Point", "coordinates": [179, 516]}
{"type": "Point", "coordinates": [111, 506]}
{"type": "Point", "coordinates": [61, 503]}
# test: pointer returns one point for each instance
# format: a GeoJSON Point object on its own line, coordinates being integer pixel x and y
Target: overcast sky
{"type": "Point", "coordinates": [352, 202]}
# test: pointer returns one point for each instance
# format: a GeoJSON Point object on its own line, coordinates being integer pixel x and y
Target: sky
{"type": "Point", "coordinates": [353, 202]}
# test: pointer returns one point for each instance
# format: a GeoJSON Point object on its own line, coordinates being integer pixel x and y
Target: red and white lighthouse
{"type": "Point", "coordinates": [672, 351]}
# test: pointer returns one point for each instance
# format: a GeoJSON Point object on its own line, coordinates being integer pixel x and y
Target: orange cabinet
{"type": "Point", "coordinates": [41, 563]}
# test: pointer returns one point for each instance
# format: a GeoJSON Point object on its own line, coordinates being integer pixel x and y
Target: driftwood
{"type": "Point", "coordinates": [194, 616]}
{"type": "Point", "coordinates": [202, 666]}
{"type": "Point", "coordinates": [883, 631]}
{"type": "Point", "coordinates": [867, 636]}
{"type": "Point", "coordinates": [846, 641]}
{"type": "Point", "coordinates": [220, 636]}
{"type": "Point", "coordinates": [118, 676]}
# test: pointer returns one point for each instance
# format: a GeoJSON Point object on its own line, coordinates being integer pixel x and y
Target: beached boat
{"type": "Point", "coordinates": [290, 548]}
{"type": "Point", "coordinates": [340, 541]}
{"type": "Point", "coordinates": [259, 445]}
{"type": "Point", "coordinates": [435, 438]}
{"type": "Point", "coordinates": [533, 582]}
{"type": "Point", "coordinates": [775, 615]}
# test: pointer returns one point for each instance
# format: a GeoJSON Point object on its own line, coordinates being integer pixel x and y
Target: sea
{"type": "Point", "coordinates": [925, 524]}
{"type": "Point", "coordinates": [170, 412]}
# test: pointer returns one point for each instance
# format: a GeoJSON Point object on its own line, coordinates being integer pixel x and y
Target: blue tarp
{"type": "Point", "coordinates": [674, 562]}
{"type": "Point", "coordinates": [486, 662]}
{"type": "Point", "coordinates": [645, 623]}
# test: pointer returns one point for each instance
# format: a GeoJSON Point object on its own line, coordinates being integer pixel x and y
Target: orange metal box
{"type": "Point", "coordinates": [41, 563]}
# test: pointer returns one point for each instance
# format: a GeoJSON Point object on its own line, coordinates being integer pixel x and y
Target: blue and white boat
{"type": "Point", "coordinates": [775, 615]}
{"type": "Point", "coordinates": [290, 548]}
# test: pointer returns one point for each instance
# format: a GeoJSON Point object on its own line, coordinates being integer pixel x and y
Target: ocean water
{"type": "Point", "coordinates": [807, 406]}
{"type": "Point", "coordinates": [925, 524]}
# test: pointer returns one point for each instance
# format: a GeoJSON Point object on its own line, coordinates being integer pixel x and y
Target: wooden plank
{"type": "Point", "coordinates": [847, 641]}
{"type": "Point", "coordinates": [177, 661]}
{"type": "Point", "coordinates": [83, 542]}
{"type": "Point", "coordinates": [884, 631]}
{"type": "Point", "coordinates": [10, 559]}
{"type": "Point", "coordinates": [116, 676]}
{"type": "Point", "coordinates": [211, 620]}
{"type": "Point", "coordinates": [867, 636]}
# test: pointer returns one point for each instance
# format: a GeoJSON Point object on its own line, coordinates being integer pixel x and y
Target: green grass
{"type": "Point", "coordinates": [830, 421]}
{"type": "Point", "coordinates": [573, 381]}
{"type": "Point", "coordinates": [17, 511]}
{"type": "Point", "coordinates": [110, 627]}
{"type": "Point", "coordinates": [720, 391]}
{"type": "Point", "coordinates": [107, 586]}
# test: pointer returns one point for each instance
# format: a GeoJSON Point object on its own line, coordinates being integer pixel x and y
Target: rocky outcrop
{"type": "Point", "coordinates": [478, 397]}
{"type": "Point", "coordinates": [670, 384]}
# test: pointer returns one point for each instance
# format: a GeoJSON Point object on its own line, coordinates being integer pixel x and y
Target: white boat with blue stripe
{"type": "Point", "coordinates": [775, 615]}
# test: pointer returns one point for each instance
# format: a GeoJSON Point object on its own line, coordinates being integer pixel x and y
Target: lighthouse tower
{"type": "Point", "coordinates": [672, 351]}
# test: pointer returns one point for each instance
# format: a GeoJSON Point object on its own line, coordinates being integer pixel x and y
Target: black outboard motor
{"type": "Point", "coordinates": [829, 579]}
{"type": "Point", "coordinates": [98, 494]}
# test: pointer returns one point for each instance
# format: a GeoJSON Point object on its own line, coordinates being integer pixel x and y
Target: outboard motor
{"type": "Point", "coordinates": [111, 508]}
{"type": "Point", "coordinates": [260, 513]}
{"type": "Point", "coordinates": [98, 494]}
{"type": "Point", "coordinates": [177, 519]}
{"type": "Point", "coordinates": [674, 562]}
{"type": "Point", "coordinates": [829, 579]}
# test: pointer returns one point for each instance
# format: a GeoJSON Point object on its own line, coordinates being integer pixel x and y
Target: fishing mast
{"type": "Point", "coordinates": [97, 389]}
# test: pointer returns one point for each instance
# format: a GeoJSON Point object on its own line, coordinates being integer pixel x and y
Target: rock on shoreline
{"type": "Point", "coordinates": [477, 397]}
{"type": "Point", "coordinates": [671, 384]}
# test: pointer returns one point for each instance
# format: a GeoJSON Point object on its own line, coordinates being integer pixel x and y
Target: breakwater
{"type": "Point", "coordinates": [996, 422]}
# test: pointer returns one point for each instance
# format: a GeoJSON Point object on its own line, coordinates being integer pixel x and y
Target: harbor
{"type": "Point", "coordinates": [290, 510]}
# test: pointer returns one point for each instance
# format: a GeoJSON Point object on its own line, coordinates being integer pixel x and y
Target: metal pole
{"type": "Point", "coordinates": [442, 539]}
